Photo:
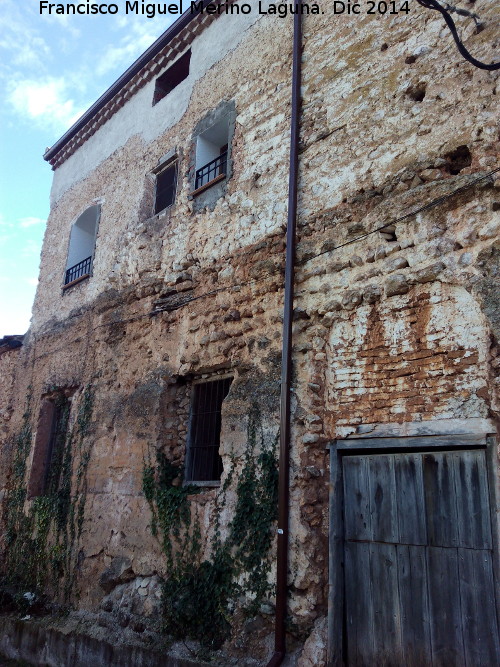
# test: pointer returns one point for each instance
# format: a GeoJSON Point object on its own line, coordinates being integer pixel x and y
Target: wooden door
{"type": "Point", "coordinates": [419, 584]}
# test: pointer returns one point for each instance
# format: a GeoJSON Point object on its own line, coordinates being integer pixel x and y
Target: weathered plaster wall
{"type": "Point", "coordinates": [208, 49]}
{"type": "Point", "coordinates": [398, 330]}
{"type": "Point", "coordinates": [132, 247]}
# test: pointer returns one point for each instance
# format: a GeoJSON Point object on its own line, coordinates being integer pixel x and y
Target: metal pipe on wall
{"type": "Point", "coordinates": [286, 358]}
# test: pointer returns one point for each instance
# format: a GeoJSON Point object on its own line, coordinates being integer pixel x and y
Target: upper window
{"type": "Point", "coordinates": [50, 444]}
{"type": "Point", "coordinates": [203, 461]}
{"type": "Point", "coordinates": [81, 246]}
{"type": "Point", "coordinates": [166, 184]}
{"type": "Point", "coordinates": [172, 77]}
{"type": "Point", "coordinates": [212, 153]}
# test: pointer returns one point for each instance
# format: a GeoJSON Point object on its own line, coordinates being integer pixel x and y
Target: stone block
{"type": "Point", "coordinates": [119, 571]}
{"type": "Point", "coordinates": [397, 284]}
{"type": "Point", "coordinates": [429, 273]}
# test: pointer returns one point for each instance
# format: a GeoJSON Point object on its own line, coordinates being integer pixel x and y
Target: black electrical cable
{"type": "Point", "coordinates": [433, 4]}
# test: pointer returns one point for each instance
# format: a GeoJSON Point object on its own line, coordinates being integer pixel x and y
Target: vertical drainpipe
{"type": "Point", "coordinates": [286, 356]}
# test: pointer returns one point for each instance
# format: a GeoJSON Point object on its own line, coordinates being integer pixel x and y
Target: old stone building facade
{"type": "Point", "coordinates": [160, 305]}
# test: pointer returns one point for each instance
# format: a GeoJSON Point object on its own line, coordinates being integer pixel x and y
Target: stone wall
{"type": "Point", "coordinates": [9, 360]}
{"type": "Point", "coordinates": [395, 331]}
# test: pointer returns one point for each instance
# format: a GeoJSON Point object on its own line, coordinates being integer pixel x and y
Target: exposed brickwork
{"type": "Point", "coordinates": [394, 329]}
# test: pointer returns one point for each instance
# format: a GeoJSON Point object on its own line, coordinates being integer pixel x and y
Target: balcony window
{"type": "Point", "coordinates": [81, 246]}
{"type": "Point", "coordinates": [212, 154]}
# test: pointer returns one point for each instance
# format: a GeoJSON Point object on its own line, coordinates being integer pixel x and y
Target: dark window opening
{"type": "Point", "coordinates": [50, 447]}
{"type": "Point", "coordinates": [172, 77]}
{"type": "Point", "coordinates": [166, 184]}
{"type": "Point", "coordinates": [203, 461]}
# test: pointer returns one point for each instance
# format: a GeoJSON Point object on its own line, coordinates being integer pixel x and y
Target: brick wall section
{"type": "Point", "coordinates": [391, 329]}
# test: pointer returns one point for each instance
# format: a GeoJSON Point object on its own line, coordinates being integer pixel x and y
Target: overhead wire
{"type": "Point", "coordinates": [406, 216]}
{"type": "Point", "coordinates": [445, 12]}
{"type": "Point", "coordinates": [435, 202]}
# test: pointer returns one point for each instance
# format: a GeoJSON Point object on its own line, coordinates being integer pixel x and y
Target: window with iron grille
{"type": "Point", "coordinates": [50, 443]}
{"type": "Point", "coordinates": [81, 246]}
{"type": "Point", "coordinates": [212, 154]}
{"type": "Point", "coordinates": [170, 79]}
{"type": "Point", "coordinates": [166, 184]}
{"type": "Point", "coordinates": [203, 461]}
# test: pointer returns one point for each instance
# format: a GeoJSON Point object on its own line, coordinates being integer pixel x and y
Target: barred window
{"type": "Point", "coordinates": [203, 461]}
{"type": "Point", "coordinates": [166, 185]}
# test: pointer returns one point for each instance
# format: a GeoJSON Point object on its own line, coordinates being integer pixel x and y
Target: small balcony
{"type": "Point", "coordinates": [214, 170]}
{"type": "Point", "coordinates": [78, 272]}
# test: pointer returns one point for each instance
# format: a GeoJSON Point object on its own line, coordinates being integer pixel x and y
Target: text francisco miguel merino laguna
{"type": "Point", "coordinates": [152, 9]}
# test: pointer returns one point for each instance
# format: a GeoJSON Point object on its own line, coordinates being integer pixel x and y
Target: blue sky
{"type": "Point", "coordinates": [52, 68]}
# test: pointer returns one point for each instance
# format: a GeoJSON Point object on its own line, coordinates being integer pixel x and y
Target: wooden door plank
{"type": "Point", "coordinates": [411, 442]}
{"type": "Point", "coordinates": [386, 610]}
{"type": "Point", "coordinates": [471, 488]}
{"type": "Point", "coordinates": [383, 505]}
{"type": "Point", "coordinates": [414, 605]}
{"type": "Point", "coordinates": [336, 564]}
{"type": "Point", "coordinates": [444, 608]}
{"type": "Point", "coordinates": [408, 603]}
{"type": "Point", "coordinates": [440, 505]}
{"type": "Point", "coordinates": [479, 618]}
{"type": "Point", "coordinates": [410, 499]}
{"type": "Point", "coordinates": [359, 607]}
{"type": "Point", "coordinates": [356, 499]}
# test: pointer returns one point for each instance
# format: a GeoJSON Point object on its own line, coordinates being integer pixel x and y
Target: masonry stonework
{"type": "Point", "coordinates": [395, 331]}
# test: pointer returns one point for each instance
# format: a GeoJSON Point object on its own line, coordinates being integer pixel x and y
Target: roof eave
{"type": "Point", "coordinates": [136, 67]}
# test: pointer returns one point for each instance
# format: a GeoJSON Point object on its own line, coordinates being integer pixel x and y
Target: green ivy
{"type": "Point", "coordinates": [199, 596]}
{"type": "Point", "coordinates": [41, 537]}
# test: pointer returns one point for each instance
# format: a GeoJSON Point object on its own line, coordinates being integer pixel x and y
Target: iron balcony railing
{"type": "Point", "coordinates": [79, 270]}
{"type": "Point", "coordinates": [211, 170]}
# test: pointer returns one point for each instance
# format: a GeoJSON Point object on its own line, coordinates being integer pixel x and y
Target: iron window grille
{"type": "Point", "coordinates": [78, 270]}
{"type": "Point", "coordinates": [211, 170]}
{"type": "Point", "coordinates": [166, 185]}
{"type": "Point", "coordinates": [203, 461]}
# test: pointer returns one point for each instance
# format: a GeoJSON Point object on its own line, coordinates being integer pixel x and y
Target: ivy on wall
{"type": "Point", "coordinates": [42, 535]}
{"type": "Point", "coordinates": [199, 595]}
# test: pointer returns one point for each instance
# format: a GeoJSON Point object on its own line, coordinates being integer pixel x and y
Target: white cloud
{"type": "Point", "coordinates": [31, 221]}
{"type": "Point", "coordinates": [33, 282]}
{"type": "Point", "coordinates": [48, 102]}
{"type": "Point", "coordinates": [21, 38]}
{"type": "Point", "coordinates": [139, 37]}
{"type": "Point", "coordinates": [67, 24]}
{"type": "Point", "coordinates": [30, 52]}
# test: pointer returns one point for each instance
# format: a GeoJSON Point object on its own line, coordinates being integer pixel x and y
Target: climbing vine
{"type": "Point", "coordinates": [199, 595]}
{"type": "Point", "coordinates": [41, 536]}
